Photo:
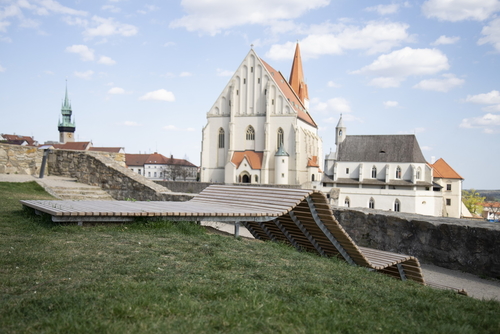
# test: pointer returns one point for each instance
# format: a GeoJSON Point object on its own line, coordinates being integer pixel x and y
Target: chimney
{"type": "Point", "coordinates": [171, 156]}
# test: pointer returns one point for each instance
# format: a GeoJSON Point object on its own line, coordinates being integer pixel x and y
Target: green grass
{"type": "Point", "coordinates": [176, 278]}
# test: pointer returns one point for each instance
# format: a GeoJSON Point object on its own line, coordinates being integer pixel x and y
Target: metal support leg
{"type": "Point", "coordinates": [266, 231]}
{"type": "Point", "coordinates": [401, 271]}
{"type": "Point", "coordinates": [236, 229]}
{"type": "Point", "coordinates": [251, 230]}
{"type": "Point", "coordinates": [287, 235]}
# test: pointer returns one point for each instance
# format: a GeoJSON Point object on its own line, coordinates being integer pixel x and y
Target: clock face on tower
{"type": "Point", "coordinates": [70, 135]}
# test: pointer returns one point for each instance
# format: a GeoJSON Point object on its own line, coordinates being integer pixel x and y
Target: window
{"type": "Point", "coordinates": [250, 133]}
{"type": "Point", "coordinates": [347, 170]}
{"type": "Point", "coordinates": [251, 69]}
{"type": "Point", "coordinates": [256, 179]}
{"type": "Point", "coordinates": [371, 203]}
{"type": "Point", "coordinates": [374, 172]}
{"type": "Point", "coordinates": [244, 81]}
{"type": "Point", "coordinates": [312, 178]}
{"type": "Point", "coordinates": [149, 174]}
{"type": "Point", "coordinates": [280, 137]}
{"type": "Point", "coordinates": [448, 186]}
{"type": "Point", "coordinates": [448, 201]}
{"type": "Point", "coordinates": [347, 202]}
{"type": "Point", "coordinates": [340, 133]}
{"type": "Point", "coordinates": [282, 174]}
{"type": "Point", "coordinates": [418, 173]}
{"type": "Point", "coordinates": [140, 171]}
{"type": "Point", "coordinates": [221, 138]}
{"type": "Point", "coordinates": [258, 80]}
{"type": "Point", "coordinates": [282, 161]}
{"type": "Point", "coordinates": [397, 205]}
{"type": "Point", "coordinates": [155, 174]}
{"type": "Point", "coordinates": [398, 172]}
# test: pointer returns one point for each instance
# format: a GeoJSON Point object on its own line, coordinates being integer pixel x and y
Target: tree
{"type": "Point", "coordinates": [473, 200]}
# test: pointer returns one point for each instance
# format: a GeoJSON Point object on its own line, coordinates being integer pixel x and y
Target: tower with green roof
{"type": "Point", "coordinates": [66, 126]}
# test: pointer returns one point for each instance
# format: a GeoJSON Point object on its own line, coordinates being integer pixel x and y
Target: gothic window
{"type": "Point", "coordinates": [312, 177]}
{"type": "Point", "coordinates": [371, 203]}
{"type": "Point", "coordinates": [347, 202]}
{"type": "Point", "coordinates": [398, 172]}
{"type": "Point", "coordinates": [397, 205]}
{"type": "Point", "coordinates": [280, 137]}
{"type": "Point", "coordinates": [221, 138]}
{"type": "Point", "coordinates": [250, 133]}
{"type": "Point", "coordinates": [256, 179]}
{"type": "Point", "coordinates": [374, 172]}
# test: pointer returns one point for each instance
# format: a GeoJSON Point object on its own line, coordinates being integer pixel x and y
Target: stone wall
{"type": "Point", "coordinates": [466, 245]}
{"type": "Point", "coordinates": [108, 171]}
{"type": "Point", "coordinates": [17, 159]}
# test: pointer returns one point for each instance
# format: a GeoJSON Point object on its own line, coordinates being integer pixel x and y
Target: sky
{"type": "Point", "coordinates": [143, 74]}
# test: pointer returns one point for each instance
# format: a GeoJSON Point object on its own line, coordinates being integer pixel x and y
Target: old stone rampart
{"type": "Point", "coordinates": [461, 244]}
{"type": "Point", "coordinates": [17, 159]}
{"type": "Point", "coordinates": [108, 171]}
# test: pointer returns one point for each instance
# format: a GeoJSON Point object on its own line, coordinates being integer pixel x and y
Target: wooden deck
{"type": "Point", "coordinates": [299, 217]}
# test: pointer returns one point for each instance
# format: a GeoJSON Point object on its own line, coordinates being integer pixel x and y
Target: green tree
{"type": "Point", "coordinates": [473, 200]}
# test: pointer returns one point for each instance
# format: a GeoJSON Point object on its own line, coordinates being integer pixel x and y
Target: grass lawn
{"type": "Point", "coordinates": [176, 278]}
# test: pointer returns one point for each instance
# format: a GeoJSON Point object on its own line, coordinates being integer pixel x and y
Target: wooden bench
{"type": "Point", "coordinates": [299, 217]}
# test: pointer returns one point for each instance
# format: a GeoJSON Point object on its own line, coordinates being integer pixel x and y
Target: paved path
{"type": "Point", "coordinates": [475, 286]}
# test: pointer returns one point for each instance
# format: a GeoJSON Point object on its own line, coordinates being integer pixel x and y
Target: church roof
{"type": "Point", "coordinates": [313, 161]}
{"type": "Point", "coordinates": [380, 148]}
{"type": "Point", "coordinates": [285, 87]}
{"type": "Point", "coordinates": [75, 145]}
{"type": "Point", "coordinates": [443, 170]}
{"type": "Point", "coordinates": [281, 152]}
{"type": "Point", "coordinates": [253, 158]}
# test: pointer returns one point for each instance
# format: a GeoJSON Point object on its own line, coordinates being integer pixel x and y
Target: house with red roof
{"type": "Point", "coordinates": [259, 130]}
{"type": "Point", "coordinates": [451, 188]}
{"type": "Point", "coordinates": [157, 167]}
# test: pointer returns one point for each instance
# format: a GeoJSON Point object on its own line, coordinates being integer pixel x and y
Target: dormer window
{"type": "Point", "coordinates": [374, 172]}
{"type": "Point", "coordinates": [398, 172]}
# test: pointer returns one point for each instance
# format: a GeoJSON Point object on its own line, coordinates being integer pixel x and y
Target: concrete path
{"type": "Point", "coordinates": [475, 286]}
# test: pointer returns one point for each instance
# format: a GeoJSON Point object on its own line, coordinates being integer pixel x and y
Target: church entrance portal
{"type": "Point", "coordinates": [245, 179]}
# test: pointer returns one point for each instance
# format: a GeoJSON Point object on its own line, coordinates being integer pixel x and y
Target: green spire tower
{"type": "Point", "coordinates": [66, 127]}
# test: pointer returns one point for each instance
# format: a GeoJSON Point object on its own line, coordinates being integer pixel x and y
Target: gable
{"type": "Point", "coordinates": [254, 158]}
{"type": "Point", "coordinates": [443, 170]}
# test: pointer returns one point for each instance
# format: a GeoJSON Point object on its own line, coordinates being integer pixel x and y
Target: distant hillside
{"type": "Point", "coordinates": [491, 195]}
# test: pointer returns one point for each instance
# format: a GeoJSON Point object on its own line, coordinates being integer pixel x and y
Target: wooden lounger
{"type": "Point", "coordinates": [299, 217]}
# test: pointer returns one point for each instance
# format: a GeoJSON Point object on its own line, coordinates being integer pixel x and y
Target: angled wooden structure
{"type": "Point", "coordinates": [299, 217]}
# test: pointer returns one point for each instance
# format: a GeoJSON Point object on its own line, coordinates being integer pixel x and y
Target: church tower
{"type": "Point", "coordinates": [66, 126]}
{"type": "Point", "coordinates": [297, 78]}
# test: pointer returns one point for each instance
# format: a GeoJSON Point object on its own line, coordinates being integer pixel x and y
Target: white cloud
{"type": "Point", "coordinates": [131, 123]}
{"type": "Point", "coordinates": [185, 74]}
{"type": "Point", "coordinates": [159, 95]}
{"type": "Point", "coordinates": [491, 34]}
{"type": "Point", "coordinates": [116, 90]}
{"type": "Point", "coordinates": [486, 122]}
{"type": "Point", "coordinates": [170, 127]}
{"type": "Point", "coordinates": [48, 72]}
{"type": "Point", "coordinates": [393, 68]}
{"type": "Point", "coordinates": [336, 104]}
{"type": "Point", "coordinates": [384, 9]}
{"type": "Point", "coordinates": [100, 26]}
{"type": "Point", "coordinates": [224, 73]}
{"type": "Point", "coordinates": [459, 10]}
{"type": "Point", "coordinates": [391, 104]}
{"type": "Point", "coordinates": [442, 40]}
{"type": "Point", "coordinates": [445, 84]}
{"type": "Point", "coordinates": [216, 15]}
{"type": "Point", "coordinates": [106, 60]}
{"type": "Point", "coordinates": [492, 97]}
{"type": "Point", "coordinates": [386, 82]}
{"type": "Point", "coordinates": [85, 53]}
{"type": "Point", "coordinates": [169, 44]}
{"type": "Point", "coordinates": [328, 39]}
{"type": "Point", "coordinates": [84, 75]}
{"type": "Point", "coordinates": [111, 8]}
{"type": "Point", "coordinates": [149, 8]}
{"type": "Point", "coordinates": [333, 84]}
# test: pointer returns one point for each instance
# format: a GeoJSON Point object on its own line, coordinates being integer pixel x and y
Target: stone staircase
{"type": "Point", "coordinates": [69, 189]}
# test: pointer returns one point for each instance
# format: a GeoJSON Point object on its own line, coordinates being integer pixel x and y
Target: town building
{"type": "Point", "coordinates": [259, 130]}
{"type": "Point", "coordinates": [18, 140]}
{"type": "Point", "coordinates": [66, 127]}
{"type": "Point", "coordinates": [160, 168]}
{"type": "Point", "coordinates": [389, 172]}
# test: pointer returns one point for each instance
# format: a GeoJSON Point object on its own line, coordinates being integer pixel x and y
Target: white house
{"type": "Point", "coordinates": [259, 130]}
{"type": "Point", "coordinates": [158, 167]}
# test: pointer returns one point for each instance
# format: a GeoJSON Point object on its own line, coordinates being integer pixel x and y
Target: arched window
{"type": "Point", "coordinates": [418, 173]}
{"type": "Point", "coordinates": [374, 172]}
{"type": "Point", "coordinates": [347, 202]}
{"type": "Point", "coordinates": [397, 205]}
{"type": "Point", "coordinates": [398, 172]}
{"type": "Point", "coordinates": [280, 139]}
{"type": "Point", "coordinates": [371, 203]}
{"type": "Point", "coordinates": [256, 179]}
{"type": "Point", "coordinates": [221, 138]}
{"type": "Point", "coordinates": [250, 133]}
{"type": "Point", "coordinates": [312, 177]}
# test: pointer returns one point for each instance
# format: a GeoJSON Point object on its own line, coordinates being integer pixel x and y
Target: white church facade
{"type": "Point", "coordinates": [259, 130]}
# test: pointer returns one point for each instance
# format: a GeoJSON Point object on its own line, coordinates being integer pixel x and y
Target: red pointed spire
{"type": "Point", "coordinates": [297, 77]}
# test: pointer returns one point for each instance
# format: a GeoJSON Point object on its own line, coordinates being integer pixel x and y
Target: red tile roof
{"type": "Point", "coordinates": [18, 140]}
{"type": "Point", "coordinates": [155, 158]}
{"type": "Point", "coordinates": [443, 170]}
{"type": "Point", "coordinates": [313, 161]}
{"type": "Point", "coordinates": [106, 149]}
{"type": "Point", "coordinates": [285, 87]}
{"type": "Point", "coordinates": [253, 158]}
{"type": "Point", "coordinates": [76, 145]}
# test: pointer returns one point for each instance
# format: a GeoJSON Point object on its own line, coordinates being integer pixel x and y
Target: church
{"type": "Point", "coordinates": [259, 130]}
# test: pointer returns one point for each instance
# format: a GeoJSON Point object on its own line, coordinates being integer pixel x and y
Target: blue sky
{"type": "Point", "coordinates": [143, 74]}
